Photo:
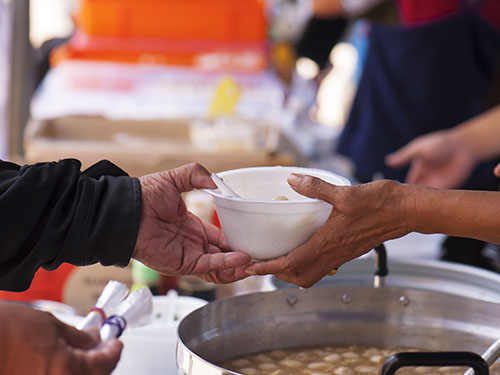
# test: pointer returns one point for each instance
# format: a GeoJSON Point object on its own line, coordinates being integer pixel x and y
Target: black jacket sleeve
{"type": "Point", "coordinates": [52, 213]}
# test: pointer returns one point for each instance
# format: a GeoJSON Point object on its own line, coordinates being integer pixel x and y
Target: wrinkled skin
{"type": "Point", "coordinates": [363, 217]}
{"type": "Point", "coordinates": [172, 240]}
{"type": "Point", "coordinates": [36, 343]}
{"type": "Point", "coordinates": [436, 160]}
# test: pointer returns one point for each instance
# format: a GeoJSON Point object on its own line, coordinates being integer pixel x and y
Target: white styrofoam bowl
{"type": "Point", "coordinates": [265, 228]}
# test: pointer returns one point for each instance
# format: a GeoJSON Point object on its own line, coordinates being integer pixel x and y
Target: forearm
{"type": "Point", "coordinates": [480, 135]}
{"type": "Point", "coordinates": [460, 213]}
{"type": "Point", "coordinates": [53, 213]}
{"type": "Point", "coordinates": [327, 8]}
{"type": "Point", "coordinates": [336, 8]}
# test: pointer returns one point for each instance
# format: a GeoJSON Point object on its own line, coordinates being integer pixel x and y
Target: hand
{"type": "Point", "coordinates": [327, 8]}
{"type": "Point", "coordinates": [437, 160]}
{"type": "Point", "coordinates": [172, 240]}
{"type": "Point", "coordinates": [497, 170]}
{"type": "Point", "coordinates": [363, 217]}
{"type": "Point", "coordinates": [34, 342]}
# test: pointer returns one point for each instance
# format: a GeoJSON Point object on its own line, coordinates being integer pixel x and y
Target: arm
{"type": "Point", "coordinates": [327, 8]}
{"type": "Point", "coordinates": [444, 159]}
{"type": "Point", "coordinates": [480, 135]}
{"type": "Point", "coordinates": [460, 213]}
{"type": "Point", "coordinates": [365, 216]}
{"type": "Point", "coordinates": [52, 213]}
{"type": "Point", "coordinates": [336, 8]}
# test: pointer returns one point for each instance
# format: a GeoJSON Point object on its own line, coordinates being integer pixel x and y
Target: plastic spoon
{"type": "Point", "coordinates": [112, 294]}
{"type": "Point", "coordinates": [134, 311]}
{"type": "Point", "coordinates": [226, 190]}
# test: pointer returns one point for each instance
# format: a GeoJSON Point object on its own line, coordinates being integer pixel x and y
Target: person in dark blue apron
{"type": "Point", "coordinates": [420, 79]}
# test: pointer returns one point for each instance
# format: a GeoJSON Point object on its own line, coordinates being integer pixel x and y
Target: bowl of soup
{"type": "Point", "coordinates": [270, 219]}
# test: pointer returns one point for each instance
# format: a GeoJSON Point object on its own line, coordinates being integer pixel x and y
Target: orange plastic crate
{"type": "Point", "coordinates": [206, 56]}
{"type": "Point", "coordinates": [172, 32]}
{"type": "Point", "coordinates": [46, 285]}
{"type": "Point", "coordinates": [218, 20]}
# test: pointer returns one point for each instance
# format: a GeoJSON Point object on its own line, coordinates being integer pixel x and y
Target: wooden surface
{"type": "Point", "coordinates": [138, 148]}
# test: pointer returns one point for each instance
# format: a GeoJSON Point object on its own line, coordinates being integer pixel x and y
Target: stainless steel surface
{"type": "Point", "coordinates": [413, 273]}
{"type": "Point", "coordinates": [490, 355]}
{"type": "Point", "coordinates": [321, 316]}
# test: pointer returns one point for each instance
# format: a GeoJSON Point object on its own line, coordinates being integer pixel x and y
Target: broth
{"type": "Point", "coordinates": [331, 360]}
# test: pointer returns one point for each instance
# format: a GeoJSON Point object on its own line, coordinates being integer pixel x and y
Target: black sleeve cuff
{"type": "Point", "coordinates": [52, 213]}
{"type": "Point", "coordinates": [113, 225]}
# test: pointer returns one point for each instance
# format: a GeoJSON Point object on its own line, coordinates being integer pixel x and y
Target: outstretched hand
{"type": "Point", "coordinates": [363, 216]}
{"type": "Point", "coordinates": [172, 240]}
{"type": "Point", "coordinates": [436, 160]}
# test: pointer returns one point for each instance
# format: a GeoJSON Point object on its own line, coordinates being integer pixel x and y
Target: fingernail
{"type": "Point", "coordinates": [250, 272]}
{"type": "Point", "coordinates": [295, 179]}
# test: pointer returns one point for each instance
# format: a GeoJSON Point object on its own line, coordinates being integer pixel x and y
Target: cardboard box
{"type": "Point", "coordinates": [138, 147]}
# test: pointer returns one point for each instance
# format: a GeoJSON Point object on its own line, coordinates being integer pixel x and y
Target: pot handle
{"type": "Point", "coordinates": [442, 359]}
{"type": "Point", "coordinates": [381, 269]}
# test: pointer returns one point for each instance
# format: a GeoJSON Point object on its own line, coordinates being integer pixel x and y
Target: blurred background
{"type": "Point", "coordinates": [155, 84]}
{"type": "Point", "coordinates": [66, 62]}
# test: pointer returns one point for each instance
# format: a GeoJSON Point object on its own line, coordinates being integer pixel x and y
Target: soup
{"type": "Point", "coordinates": [329, 360]}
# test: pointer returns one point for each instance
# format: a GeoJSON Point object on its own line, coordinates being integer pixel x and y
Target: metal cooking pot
{"type": "Point", "coordinates": [333, 315]}
{"type": "Point", "coordinates": [422, 274]}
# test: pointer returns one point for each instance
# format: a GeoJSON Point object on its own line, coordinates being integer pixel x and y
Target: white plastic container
{"type": "Point", "coordinates": [265, 228]}
{"type": "Point", "coordinates": [150, 349]}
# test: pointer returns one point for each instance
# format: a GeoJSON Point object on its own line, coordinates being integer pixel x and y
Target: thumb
{"type": "Point", "coordinates": [101, 360]}
{"type": "Point", "coordinates": [192, 176]}
{"type": "Point", "coordinates": [76, 338]}
{"type": "Point", "coordinates": [403, 156]}
{"type": "Point", "coordinates": [497, 170]}
{"type": "Point", "coordinates": [313, 187]}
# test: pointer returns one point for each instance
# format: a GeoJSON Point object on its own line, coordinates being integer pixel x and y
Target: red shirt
{"type": "Point", "coordinates": [420, 11]}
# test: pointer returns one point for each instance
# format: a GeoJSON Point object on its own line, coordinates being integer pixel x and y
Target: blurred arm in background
{"type": "Point", "coordinates": [348, 8]}
{"type": "Point", "coordinates": [445, 159]}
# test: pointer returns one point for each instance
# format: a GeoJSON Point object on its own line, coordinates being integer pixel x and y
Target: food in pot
{"type": "Point", "coordinates": [329, 360]}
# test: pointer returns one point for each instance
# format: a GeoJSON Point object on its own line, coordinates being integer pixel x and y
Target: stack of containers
{"type": "Point", "coordinates": [188, 32]}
